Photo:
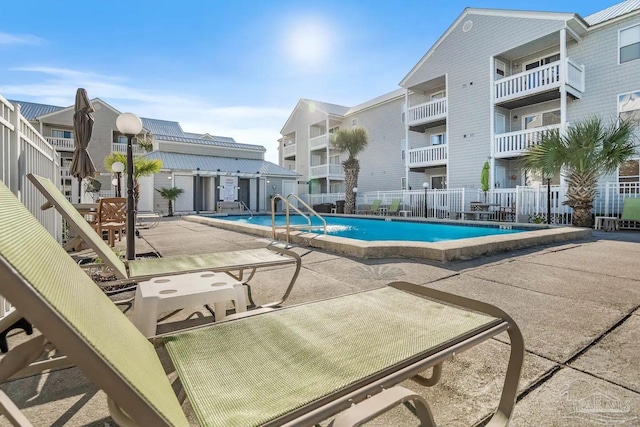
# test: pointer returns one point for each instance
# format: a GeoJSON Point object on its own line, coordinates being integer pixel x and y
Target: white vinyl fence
{"type": "Point", "coordinates": [23, 150]}
{"type": "Point", "coordinates": [530, 203]}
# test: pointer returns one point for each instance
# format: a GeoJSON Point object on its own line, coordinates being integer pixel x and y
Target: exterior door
{"type": "Point", "coordinates": [184, 203]}
{"type": "Point", "coordinates": [501, 176]}
{"type": "Point", "coordinates": [499, 124]}
{"type": "Point", "coordinates": [145, 202]}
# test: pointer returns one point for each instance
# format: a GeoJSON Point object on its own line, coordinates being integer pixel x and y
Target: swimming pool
{"type": "Point", "coordinates": [505, 237]}
{"type": "Point", "coordinates": [371, 229]}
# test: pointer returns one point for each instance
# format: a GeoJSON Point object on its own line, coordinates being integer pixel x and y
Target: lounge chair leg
{"type": "Point", "coordinates": [11, 412]}
{"type": "Point", "coordinates": [381, 403]}
{"type": "Point", "coordinates": [291, 254]}
{"type": "Point", "coordinates": [13, 321]}
{"type": "Point", "coordinates": [436, 373]}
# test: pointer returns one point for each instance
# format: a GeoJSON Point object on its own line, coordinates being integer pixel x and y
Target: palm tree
{"type": "Point", "coordinates": [589, 150]}
{"type": "Point", "coordinates": [353, 141]}
{"type": "Point", "coordinates": [142, 167]}
{"type": "Point", "coordinates": [170, 194]}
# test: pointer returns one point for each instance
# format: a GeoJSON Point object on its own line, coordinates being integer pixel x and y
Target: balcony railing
{"type": "Point", "coordinates": [516, 143]}
{"type": "Point", "coordinates": [319, 142]}
{"type": "Point", "coordinates": [327, 170]}
{"type": "Point", "coordinates": [539, 80]}
{"type": "Point", "coordinates": [433, 155]}
{"type": "Point", "coordinates": [61, 144]}
{"type": "Point", "coordinates": [427, 112]}
{"type": "Point", "coordinates": [122, 148]}
{"type": "Point", "coordinates": [289, 150]}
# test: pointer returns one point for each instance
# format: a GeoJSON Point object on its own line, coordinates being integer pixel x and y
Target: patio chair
{"type": "Point", "coordinates": [394, 207]}
{"type": "Point", "coordinates": [112, 217]}
{"type": "Point", "coordinates": [375, 207]}
{"type": "Point", "coordinates": [300, 365]}
{"type": "Point", "coordinates": [234, 263]}
{"type": "Point", "coordinates": [631, 210]}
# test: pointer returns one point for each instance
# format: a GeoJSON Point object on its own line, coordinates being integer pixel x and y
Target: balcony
{"type": "Point", "coordinates": [289, 150]}
{"type": "Point", "coordinates": [332, 171]}
{"type": "Point", "coordinates": [429, 112]}
{"type": "Point", "coordinates": [122, 148]}
{"type": "Point", "coordinates": [319, 142]}
{"type": "Point", "coordinates": [513, 144]}
{"type": "Point", "coordinates": [541, 83]}
{"type": "Point", "coordinates": [61, 144]}
{"type": "Point", "coordinates": [434, 155]}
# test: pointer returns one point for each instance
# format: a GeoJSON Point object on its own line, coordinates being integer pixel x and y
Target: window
{"type": "Point", "coordinates": [403, 183]}
{"type": "Point", "coordinates": [629, 106]}
{"type": "Point", "coordinates": [439, 139]}
{"type": "Point", "coordinates": [120, 139]}
{"type": "Point", "coordinates": [438, 182]}
{"type": "Point", "coordinates": [403, 149]}
{"type": "Point", "coordinates": [438, 95]}
{"type": "Point", "coordinates": [629, 44]}
{"type": "Point", "coordinates": [629, 175]}
{"type": "Point", "coordinates": [59, 133]}
{"type": "Point", "coordinates": [542, 61]}
{"type": "Point", "coordinates": [403, 111]}
{"type": "Point", "coordinates": [354, 122]}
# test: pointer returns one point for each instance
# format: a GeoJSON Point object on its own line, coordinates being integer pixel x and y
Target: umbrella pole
{"type": "Point", "coordinates": [79, 190]}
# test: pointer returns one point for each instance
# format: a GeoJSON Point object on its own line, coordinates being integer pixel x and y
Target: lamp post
{"type": "Point", "coordinates": [118, 168]}
{"type": "Point", "coordinates": [548, 176]}
{"type": "Point", "coordinates": [355, 199]}
{"type": "Point", "coordinates": [197, 196]}
{"type": "Point", "coordinates": [130, 125]}
{"type": "Point", "coordinates": [425, 185]}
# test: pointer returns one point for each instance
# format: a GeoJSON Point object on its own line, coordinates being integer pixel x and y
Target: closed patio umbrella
{"type": "Point", "coordinates": [484, 179]}
{"type": "Point", "coordinates": [81, 164]}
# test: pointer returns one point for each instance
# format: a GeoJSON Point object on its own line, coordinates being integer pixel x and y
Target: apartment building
{"type": "Point", "coordinates": [208, 168]}
{"type": "Point", "coordinates": [485, 91]}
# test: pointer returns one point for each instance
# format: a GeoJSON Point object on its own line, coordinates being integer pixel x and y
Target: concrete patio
{"type": "Point", "coordinates": [576, 304]}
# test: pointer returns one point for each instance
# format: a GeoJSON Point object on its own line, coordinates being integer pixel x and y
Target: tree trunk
{"type": "Point", "coordinates": [170, 208]}
{"type": "Point", "coordinates": [582, 217]}
{"type": "Point", "coordinates": [350, 182]}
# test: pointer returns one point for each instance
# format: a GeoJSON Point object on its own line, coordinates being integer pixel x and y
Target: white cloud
{"type": "Point", "coordinates": [13, 39]}
{"type": "Point", "coordinates": [246, 124]}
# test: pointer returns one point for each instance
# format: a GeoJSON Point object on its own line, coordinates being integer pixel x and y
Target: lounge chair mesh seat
{"type": "Point", "coordinates": [147, 268]}
{"type": "Point", "coordinates": [298, 355]}
{"type": "Point", "coordinates": [242, 372]}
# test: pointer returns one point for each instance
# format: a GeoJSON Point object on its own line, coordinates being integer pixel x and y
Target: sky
{"type": "Point", "coordinates": [232, 68]}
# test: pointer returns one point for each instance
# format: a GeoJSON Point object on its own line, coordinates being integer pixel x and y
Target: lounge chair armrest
{"type": "Point", "coordinates": [381, 403]}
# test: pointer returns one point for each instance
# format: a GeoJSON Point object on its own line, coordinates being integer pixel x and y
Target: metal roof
{"type": "Point", "coordinates": [213, 142]}
{"type": "Point", "coordinates": [209, 137]}
{"type": "Point", "coordinates": [30, 110]}
{"type": "Point", "coordinates": [162, 127]}
{"type": "Point", "coordinates": [221, 165]}
{"type": "Point", "coordinates": [613, 12]}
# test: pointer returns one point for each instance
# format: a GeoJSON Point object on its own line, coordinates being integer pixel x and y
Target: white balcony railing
{"type": "Point", "coordinates": [433, 155]}
{"type": "Point", "coordinates": [319, 142]}
{"type": "Point", "coordinates": [289, 150]}
{"type": "Point", "coordinates": [122, 148]}
{"type": "Point", "coordinates": [539, 80]}
{"type": "Point", "coordinates": [61, 144]}
{"type": "Point", "coordinates": [516, 143]}
{"type": "Point", "coordinates": [427, 112]}
{"type": "Point", "coordinates": [327, 170]}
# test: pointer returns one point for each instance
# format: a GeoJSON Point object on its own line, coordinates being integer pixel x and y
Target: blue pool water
{"type": "Point", "coordinates": [379, 229]}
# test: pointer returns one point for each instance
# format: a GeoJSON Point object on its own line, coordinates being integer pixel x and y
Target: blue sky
{"type": "Point", "coordinates": [233, 68]}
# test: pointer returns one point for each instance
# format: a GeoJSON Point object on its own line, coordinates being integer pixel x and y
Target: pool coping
{"type": "Point", "coordinates": [440, 251]}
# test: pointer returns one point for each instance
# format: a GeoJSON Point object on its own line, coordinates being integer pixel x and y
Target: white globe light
{"type": "Point", "coordinates": [114, 182]}
{"type": "Point", "coordinates": [117, 167]}
{"type": "Point", "coordinates": [129, 124]}
{"type": "Point", "coordinates": [355, 189]}
{"type": "Point", "coordinates": [425, 185]}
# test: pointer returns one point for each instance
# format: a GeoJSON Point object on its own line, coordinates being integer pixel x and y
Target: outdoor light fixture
{"type": "Point", "coordinates": [118, 168]}
{"type": "Point", "coordinates": [425, 185]}
{"type": "Point", "coordinates": [130, 125]}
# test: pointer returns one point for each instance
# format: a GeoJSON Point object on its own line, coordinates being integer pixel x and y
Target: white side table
{"type": "Point", "coordinates": [405, 213]}
{"type": "Point", "coordinates": [185, 290]}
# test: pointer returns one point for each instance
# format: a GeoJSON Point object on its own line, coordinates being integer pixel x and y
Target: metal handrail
{"type": "Point", "coordinates": [247, 208]}
{"type": "Point", "coordinates": [288, 206]}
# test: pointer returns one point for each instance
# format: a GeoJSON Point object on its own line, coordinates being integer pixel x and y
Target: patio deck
{"type": "Point", "coordinates": [576, 303]}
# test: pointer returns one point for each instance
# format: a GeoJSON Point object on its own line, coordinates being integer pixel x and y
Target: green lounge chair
{"type": "Point", "coordinates": [375, 207]}
{"type": "Point", "coordinates": [631, 210]}
{"type": "Point", "coordinates": [234, 263]}
{"type": "Point", "coordinates": [300, 364]}
{"type": "Point", "coordinates": [394, 207]}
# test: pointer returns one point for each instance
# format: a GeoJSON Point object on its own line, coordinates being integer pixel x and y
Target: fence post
{"type": "Point", "coordinates": [14, 152]}
{"type": "Point", "coordinates": [606, 199]}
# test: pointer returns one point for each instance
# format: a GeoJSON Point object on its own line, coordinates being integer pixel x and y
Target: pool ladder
{"type": "Point", "coordinates": [288, 227]}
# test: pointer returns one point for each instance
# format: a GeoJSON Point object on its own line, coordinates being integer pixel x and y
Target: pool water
{"type": "Point", "coordinates": [380, 229]}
